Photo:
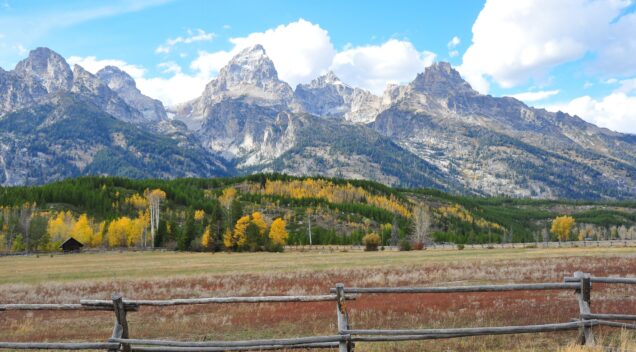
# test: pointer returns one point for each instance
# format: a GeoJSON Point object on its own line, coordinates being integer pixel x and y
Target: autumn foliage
{"type": "Point", "coordinates": [333, 193]}
{"type": "Point", "coordinates": [562, 227]}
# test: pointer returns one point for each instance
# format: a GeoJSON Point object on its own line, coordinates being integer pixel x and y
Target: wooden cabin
{"type": "Point", "coordinates": [71, 245]}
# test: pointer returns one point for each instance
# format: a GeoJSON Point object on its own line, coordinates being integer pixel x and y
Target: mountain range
{"type": "Point", "coordinates": [436, 131]}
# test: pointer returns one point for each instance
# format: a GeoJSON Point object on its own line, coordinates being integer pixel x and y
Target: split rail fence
{"type": "Point", "coordinates": [346, 337]}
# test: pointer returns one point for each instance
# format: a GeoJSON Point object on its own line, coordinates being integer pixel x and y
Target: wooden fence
{"type": "Point", "coordinates": [346, 337]}
{"type": "Point", "coordinates": [453, 246]}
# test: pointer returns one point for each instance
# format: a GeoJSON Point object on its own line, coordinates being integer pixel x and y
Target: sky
{"type": "Point", "coordinates": [575, 56]}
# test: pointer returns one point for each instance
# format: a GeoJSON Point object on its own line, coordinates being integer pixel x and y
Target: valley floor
{"type": "Point", "coordinates": [162, 275]}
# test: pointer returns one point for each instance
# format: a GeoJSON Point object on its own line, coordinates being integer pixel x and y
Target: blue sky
{"type": "Point", "coordinates": [573, 55]}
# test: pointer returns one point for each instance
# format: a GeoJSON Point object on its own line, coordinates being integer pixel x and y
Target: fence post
{"type": "Point", "coordinates": [343, 318]}
{"type": "Point", "coordinates": [120, 330]}
{"type": "Point", "coordinates": [583, 295]}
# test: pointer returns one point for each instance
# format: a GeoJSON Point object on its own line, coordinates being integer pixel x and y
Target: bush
{"type": "Point", "coordinates": [275, 247]}
{"type": "Point", "coordinates": [405, 245]}
{"type": "Point", "coordinates": [371, 242]}
{"type": "Point", "coordinates": [460, 247]}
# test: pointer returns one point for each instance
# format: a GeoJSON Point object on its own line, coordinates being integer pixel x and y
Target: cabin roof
{"type": "Point", "coordinates": [71, 241]}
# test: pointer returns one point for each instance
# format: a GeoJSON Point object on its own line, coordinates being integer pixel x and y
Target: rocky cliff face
{"type": "Point", "coordinates": [249, 77]}
{"type": "Point", "coordinates": [46, 68]}
{"type": "Point", "coordinates": [435, 131]}
{"type": "Point", "coordinates": [57, 123]}
{"type": "Point", "coordinates": [121, 83]}
{"type": "Point", "coordinates": [500, 145]}
{"type": "Point", "coordinates": [328, 96]}
{"type": "Point", "coordinates": [92, 88]}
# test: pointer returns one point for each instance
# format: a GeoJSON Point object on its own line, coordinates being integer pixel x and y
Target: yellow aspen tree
{"type": "Point", "coordinates": [277, 232]}
{"type": "Point", "coordinates": [154, 202]}
{"type": "Point", "coordinates": [60, 226]}
{"type": "Point", "coordinates": [259, 221]}
{"type": "Point", "coordinates": [562, 226]}
{"type": "Point", "coordinates": [199, 215]}
{"type": "Point", "coordinates": [227, 197]}
{"type": "Point", "coordinates": [96, 240]}
{"type": "Point", "coordinates": [205, 239]}
{"type": "Point", "coordinates": [227, 239]}
{"type": "Point", "coordinates": [118, 231]}
{"type": "Point", "coordinates": [239, 238]}
{"type": "Point", "coordinates": [82, 230]}
{"type": "Point", "coordinates": [137, 201]}
{"type": "Point", "coordinates": [135, 233]}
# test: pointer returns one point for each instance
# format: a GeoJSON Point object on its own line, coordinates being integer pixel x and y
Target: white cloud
{"type": "Point", "coordinates": [454, 42]}
{"type": "Point", "coordinates": [92, 64]}
{"type": "Point", "coordinates": [627, 86]}
{"type": "Point", "coordinates": [300, 51]}
{"type": "Point", "coordinates": [535, 96]}
{"type": "Point", "coordinates": [170, 67]}
{"type": "Point", "coordinates": [373, 67]}
{"type": "Point", "coordinates": [209, 64]}
{"type": "Point", "coordinates": [177, 88]}
{"type": "Point", "coordinates": [21, 49]}
{"type": "Point", "coordinates": [515, 41]}
{"type": "Point", "coordinates": [615, 111]}
{"type": "Point", "coordinates": [198, 35]}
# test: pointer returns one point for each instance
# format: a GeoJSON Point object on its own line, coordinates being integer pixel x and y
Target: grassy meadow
{"type": "Point", "coordinates": [163, 275]}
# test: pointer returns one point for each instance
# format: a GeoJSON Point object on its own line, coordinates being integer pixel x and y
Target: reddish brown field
{"type": "Point", "coordinates": [315, 275]}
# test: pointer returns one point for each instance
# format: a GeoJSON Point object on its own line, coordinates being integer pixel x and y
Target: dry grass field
{"type": "Point", "coordinates": [146, 275]}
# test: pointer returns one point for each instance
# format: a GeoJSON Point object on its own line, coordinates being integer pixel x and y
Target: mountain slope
{"type": "Point", "coordinates": [501, 146]}
{"type": "Point", "coordinates": [435, 131]}
{"type": "Point", "coordinates": [328, 96]}
{"type": "Point", "coordinates": [68, 137]}
{"type": "Point", "coordinates": [334, 149]}
{"type": "Point", "coordinates": [121, 83]}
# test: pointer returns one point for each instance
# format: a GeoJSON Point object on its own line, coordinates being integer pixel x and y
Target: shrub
{"type": "Point", "coordinates": [460, 246]}
{"type": "Point", "coordinates": [405, 245]}
{"type": "Point", "coordinates": [371, 242]}
{"type": "Point", "coordinates": [275, 247]}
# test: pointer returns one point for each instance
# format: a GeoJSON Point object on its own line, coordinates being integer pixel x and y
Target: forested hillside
{"type": "Point", "coordinates": [267, 211]}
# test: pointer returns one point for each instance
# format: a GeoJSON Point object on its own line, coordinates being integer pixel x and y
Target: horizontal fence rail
{"type": "Point", "coordinates": [346, 338]}
{"type": "Point", "coordinates": [246, 343]}
{"type": "Point", "coordinates": [108, 306]}
{"type": "Point", "coordinates": [59, 345]}
{"type": "Point", "coordinates": [215, 300]}
{"type": "Point", "coordinates": [458, 289]}
{"type": "Point", "coordinates": [606, 280]}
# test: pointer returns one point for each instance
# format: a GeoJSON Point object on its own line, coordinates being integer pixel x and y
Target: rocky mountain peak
{"type": "Point", "coordinates": [90, 86]}
{"type": "Point", "coordinates": [328, 96]}
{"type": "Point", "coordinates": [46, 67]}
{"type": "Point", "coordinates": [124, 85]}
{"type": "Point", "coordinates": [328, 79]}
{"type": "Point", "coordinates": [86, 82]}
{"type": "Point", "coordinates": [116, 79]}
{"type": "Point", "coordinates": [441, 79]}
{"type": "Point", "coordinates": [251, 65]}
{"type": "Point", "coordinates": [250, 76]}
